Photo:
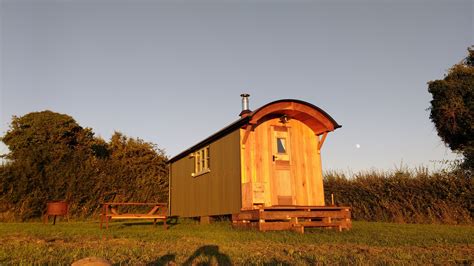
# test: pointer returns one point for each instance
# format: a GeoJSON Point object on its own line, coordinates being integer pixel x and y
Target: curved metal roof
{"type": "Point", "coordinates": [316, 118]}
{"type": "Point", "coordinates": [286, 105]}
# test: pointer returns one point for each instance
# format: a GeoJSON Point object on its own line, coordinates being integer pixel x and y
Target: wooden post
{"type": "Point", "coordinates": [297, 228]}
{"type": "Point", "coordinates": [321, 141]}
{"type": "Point", "coordinates": [260, 221]}
{"type": "Point", "coordinates": [246, 135]}
{"type": "Point", "coordinates": [102, 217]}
{"type": "Point", "coordinates": [205, 220]}
{"type": "Point", "coordinates": [332, 199]}
{"type": "Point", "coordinates": [106, 216]}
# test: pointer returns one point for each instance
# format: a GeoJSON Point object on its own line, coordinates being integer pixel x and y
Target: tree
{"type": "Point", "coordinates": [53, 158]}
{"type": "Point", "coordinates": [48, 154]}
{"type": "Point", "coordinates": [452, 108]}
{"type": "Point", "coordinates": [138, 170]}
{"type": "Point", "coordinates": [46, 134]}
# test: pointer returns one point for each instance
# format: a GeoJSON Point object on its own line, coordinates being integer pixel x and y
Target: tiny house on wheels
{"type": "Point", "coordinates": [263, 169]}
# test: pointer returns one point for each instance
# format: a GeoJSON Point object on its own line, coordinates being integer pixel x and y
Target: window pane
{"type": "Point", "coordinates": [198, 162]}
{"type": "Point", "coordinates": [202, 160]}
{"type": "Point", "coordinates": [281, 145]}
{"type": "Point", "coordinates": [208, 158]}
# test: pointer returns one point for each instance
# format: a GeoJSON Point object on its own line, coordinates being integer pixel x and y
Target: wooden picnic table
{"type": "Point", "coordinates": [156, 211]}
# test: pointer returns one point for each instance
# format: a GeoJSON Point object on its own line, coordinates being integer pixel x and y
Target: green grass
{"type": "Point", "coordinates": [187, 242]}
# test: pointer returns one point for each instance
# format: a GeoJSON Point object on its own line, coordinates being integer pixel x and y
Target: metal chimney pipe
{"type": "Point", "coordinates": [245, 101]}
{"type": "Point", "coordinates": [245, 104]}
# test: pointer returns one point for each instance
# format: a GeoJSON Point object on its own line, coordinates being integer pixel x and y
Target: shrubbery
{"type": "Point", "coordinates": [404, 196]}
{"type": "Point", "coordinates": [53, 158]}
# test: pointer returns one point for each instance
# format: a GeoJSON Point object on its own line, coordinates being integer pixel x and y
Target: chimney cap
{"type": "Point", "coordinates": [245, 105]}
{"type": "Point", "coordinates": [245, 113]}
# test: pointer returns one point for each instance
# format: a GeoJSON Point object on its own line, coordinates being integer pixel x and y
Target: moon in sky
{"type": "Point", "coordinates": [357, 146]}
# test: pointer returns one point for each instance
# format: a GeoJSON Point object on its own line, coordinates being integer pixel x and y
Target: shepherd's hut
{"type": "Point", "coordinates": [263, 169]}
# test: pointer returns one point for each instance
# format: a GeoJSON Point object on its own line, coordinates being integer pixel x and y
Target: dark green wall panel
{"type": "Point", "coordinates": [215, 193]}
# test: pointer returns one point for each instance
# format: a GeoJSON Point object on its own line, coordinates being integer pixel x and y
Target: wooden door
{"type": "Point", "coordinates": [281, 166]}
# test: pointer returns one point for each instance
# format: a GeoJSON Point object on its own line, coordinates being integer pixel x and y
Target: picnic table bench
{"type": "Point", "coordinates": [110, 210]}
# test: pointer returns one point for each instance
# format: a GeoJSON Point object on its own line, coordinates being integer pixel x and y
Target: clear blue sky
{"type": "Point", "coordinates": [171, 72]}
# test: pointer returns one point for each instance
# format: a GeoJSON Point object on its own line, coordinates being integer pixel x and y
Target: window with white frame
{"type": "Point", "coordinates": [202, 161]}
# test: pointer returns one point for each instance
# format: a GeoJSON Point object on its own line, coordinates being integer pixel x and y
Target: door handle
{"type": "Point", "coordinates": [274, 157]}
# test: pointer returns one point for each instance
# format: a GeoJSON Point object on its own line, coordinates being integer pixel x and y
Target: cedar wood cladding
{"type": "Point", "coordinates": [213, 193]}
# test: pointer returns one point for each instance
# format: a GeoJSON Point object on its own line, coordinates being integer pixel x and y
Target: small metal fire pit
{"type": "Point", "coordinates": [56, 208]}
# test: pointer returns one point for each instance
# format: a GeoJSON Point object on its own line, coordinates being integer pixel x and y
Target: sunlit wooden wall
{"type": "Point", "coordinates": [258, 170]}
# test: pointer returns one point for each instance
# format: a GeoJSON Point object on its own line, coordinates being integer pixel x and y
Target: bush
{"type": "Point", "coordinates": [53, 158]}
{"type": "Point", "coordinates": [404, 196]}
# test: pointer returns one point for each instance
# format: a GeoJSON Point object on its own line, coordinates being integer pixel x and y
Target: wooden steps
{"type": "Point", "coordinates": [294, 218]}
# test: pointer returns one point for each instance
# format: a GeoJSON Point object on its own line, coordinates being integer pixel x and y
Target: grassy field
{"type": "Point", "coordinates": [189, 243]}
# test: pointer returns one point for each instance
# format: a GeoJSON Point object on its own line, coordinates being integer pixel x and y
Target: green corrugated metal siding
{"type": "Point", "coordinates": [214, 193]}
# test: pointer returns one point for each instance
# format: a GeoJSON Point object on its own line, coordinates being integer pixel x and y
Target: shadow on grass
{"type": "Point", "coordinates": [278, 262]}
{"type": "Point", "coordinates": [202, 256]}
{"type": "Point", "coordinates": [164, 260]}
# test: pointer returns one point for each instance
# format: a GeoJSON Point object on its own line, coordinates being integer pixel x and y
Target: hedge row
{"type": "Point", "coordinates": [404, 196]}
{"type": "Point", "coordinates": [133, 171]}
